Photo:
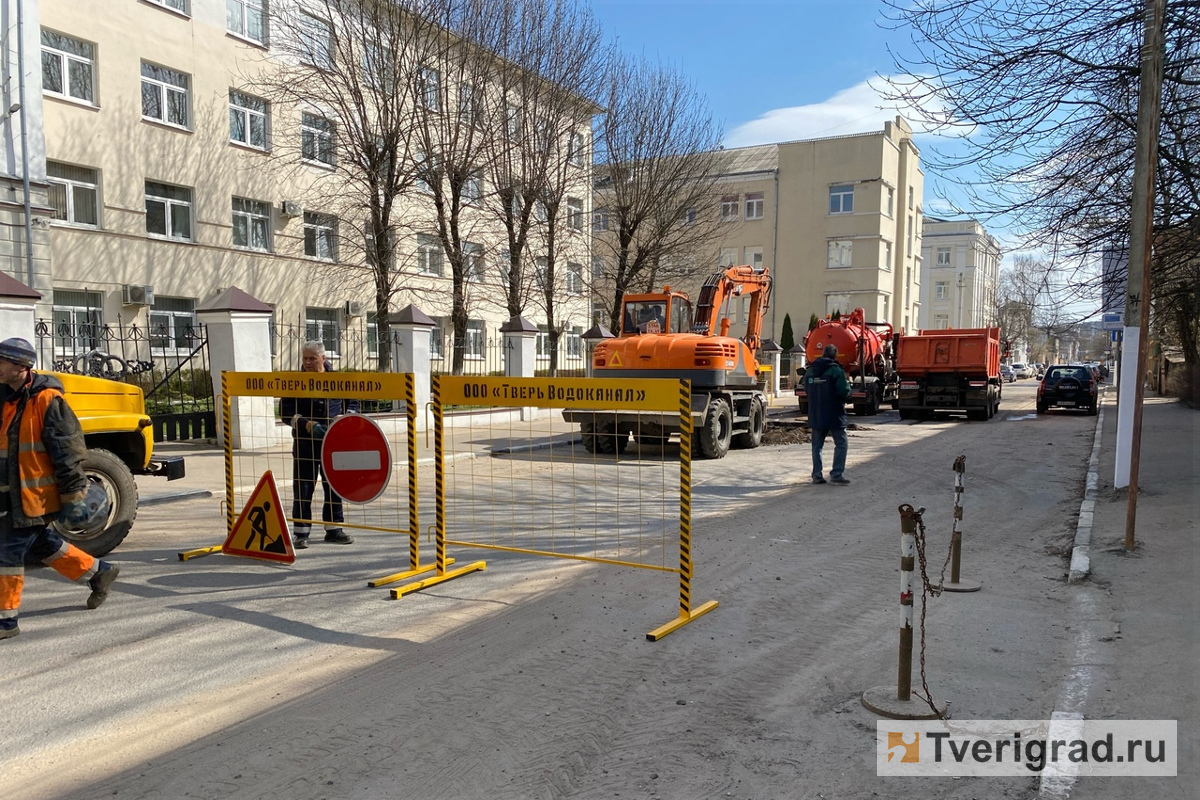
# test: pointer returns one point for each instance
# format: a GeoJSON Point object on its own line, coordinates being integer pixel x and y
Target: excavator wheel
{"type": "Point", "coordinates": [753, 436]}
{"type": "Point", "coordinates": [716, 432]}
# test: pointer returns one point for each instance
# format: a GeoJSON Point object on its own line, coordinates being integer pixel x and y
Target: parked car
{"type": "Point", "coordinates": [1039, 370]}
{"type": "Point", "coordinates": [1069, 386]}
{"type": "Point", "coordinates": [1006, 373]}
{"type": "Point", "coordinates": [1022, 370]}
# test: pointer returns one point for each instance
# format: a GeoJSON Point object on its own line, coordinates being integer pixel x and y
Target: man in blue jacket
{"type": "Point", "coordinates": [827, 388]}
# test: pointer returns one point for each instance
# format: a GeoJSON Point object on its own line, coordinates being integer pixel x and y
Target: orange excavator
{"type": "Point", "coordinates": [661, 337]}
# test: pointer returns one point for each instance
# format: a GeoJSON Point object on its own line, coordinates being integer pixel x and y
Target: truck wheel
{"type": "Point", "coordinates": [977, 414]}
{"type": "Point", "coordinates": [717, 430]}
{"type": "Point", "coordinates": [803, 406]}
{"type": "Point", "coordinates": [908, 413]}
{"type": "Point", "coordinates": [875, 401]}
{"type": "Point", "coordinates": [753, 436]}
{"type": "Point", "coordinates": [587, 434]}
{"type": "Point", "coordinates": [106, 469]}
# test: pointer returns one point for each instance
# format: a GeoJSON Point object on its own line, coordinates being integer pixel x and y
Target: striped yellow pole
{"type": "Point", "coordinates": [686, 614]}
{"type": "Point", "coordinates": [439, 476]}
{"type": "Point", "coordinates": [227, 428]}
{"type": "Point", "coordinates": [414, 523]}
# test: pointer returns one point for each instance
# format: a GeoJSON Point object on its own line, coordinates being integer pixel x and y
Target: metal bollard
{"type": "Point", "coordinates": [956, 584]}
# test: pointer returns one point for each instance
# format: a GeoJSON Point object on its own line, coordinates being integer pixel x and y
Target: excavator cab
{"type": "Point", "coordinates": [668, 312]}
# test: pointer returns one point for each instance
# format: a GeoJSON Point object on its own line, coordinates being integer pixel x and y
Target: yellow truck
{"type": "Point", "coordinates": [120, 444]}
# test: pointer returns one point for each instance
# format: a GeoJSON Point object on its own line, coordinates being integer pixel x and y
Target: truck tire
{"type": "Point", "coordinates": [977, 414]}
{"type": "Point", "coordinates": [109, 471]}
{"type": "Point", "coordinates": [804, 407]}
{"type": "Point", "coordinates": [716, 432]}
{"type": "Point", "coordinates": [755, 424]}
{"type": "Point", "coordinates": [908, 413]}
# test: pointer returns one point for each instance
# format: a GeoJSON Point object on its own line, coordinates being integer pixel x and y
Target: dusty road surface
{"type": "Point", "coordinates": [225, 678]}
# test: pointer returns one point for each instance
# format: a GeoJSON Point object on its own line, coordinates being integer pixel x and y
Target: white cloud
{"type": "Point", "coordinates": [859, 109]}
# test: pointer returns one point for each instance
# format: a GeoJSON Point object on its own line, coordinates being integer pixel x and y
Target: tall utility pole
{"type": "Point", "coordinates": [1137, 300]}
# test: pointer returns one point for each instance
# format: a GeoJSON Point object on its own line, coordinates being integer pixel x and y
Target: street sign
{"type": "Point", "coordinates": [1116, 335]}
{"type": "Point", "coordinates": [261, 530]}
{"type": "Point", "coordinates": [356, 458]}
{"type": "Point", "coordinates": [1113, 321]}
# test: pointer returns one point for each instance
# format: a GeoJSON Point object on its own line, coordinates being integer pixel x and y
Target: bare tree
{"type": "Point", "coordinates": [658, 165]}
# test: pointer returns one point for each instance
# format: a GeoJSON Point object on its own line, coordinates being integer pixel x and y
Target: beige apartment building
{"type": "Point", "coordinates": [166, 182]}
{"type": "Point", "coordinates": [837, 221]}
{"type": "Point", "coordinates": [960, 273]}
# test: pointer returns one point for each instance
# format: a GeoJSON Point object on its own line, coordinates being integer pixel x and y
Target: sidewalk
{"type": "Point", "coordinates": [1138, 615]}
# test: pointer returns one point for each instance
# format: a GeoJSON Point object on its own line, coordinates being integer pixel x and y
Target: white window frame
{"type": "Point", "coordinates": [841, 198]}
{"type": "Point", "coordinates": [575, 213]}
{"type": "Point", "coordinates": [173, 320]}
{"type": "Point", "coordinates": [431, 258]}
{"type": "Point", "coordinates": [323, 229]}
{"type": "Point", "coordinates": [513, 121]}
{"type": "Point", "coordinates": [600, 219]}
{"type": "Point", "coordinates": [938, 260]}
{"type": "Point", "coordinates": [473, 264]}
{"type": "Point", "coordinates": [429, 88]}
{"type": "Point", "coordinates": [243, 11]}
{"type": "Point", "coordinates": [476, 339]}
{"type": "Point", "coordinates": [316, 41]}
{"type": "Point", "coordinates": [755, 205]}
{"type": "Point", "coordinates": [473, 187]}
{"type": "Point", "coordinates": [253, 215]}
{"type": "Point", "coordinates": [318, 326]}
{"type": "Point", "coordinates": [178, 6]}
{"type": "Point", "coordinates": [941, 290]}
{"type": "Point", "coordinates": [317, 135]}
{"type": "Point", "coordinates": [72, 188]}
{"type": "Point", "coordinates": [753, 255]}
{"type": "Point", "coordinates": [575, 149]}
{"type": "Point", "coordinates": [727, 257]}
{"type": "Point", "coordinates": [887, 256]}
{"type": "Point", "coordinates": [910, 196]}
{"type": "Point", "coordinates": [941, 322]}
{"type": "Point", "coordinates": [839, 254]}
{"type": "Point", "coordinates": [165, 90]}
{"type": "Point", "coordinates": [67, 60]}
{"type": "Point", "coordinates": [240, 108]}
{"type": "Point", "coordinates": [574, 278]}
{"type": "Point", "coordinates": [729, 208]}
{"type": "Point", "coordinates": [831, 306]}
{"type": "Point", "coordinates": [891, 202]}
{"type": "Point", "coordinates": [171, 207]}
{"type": "Point", "coordinates": [469, 109]}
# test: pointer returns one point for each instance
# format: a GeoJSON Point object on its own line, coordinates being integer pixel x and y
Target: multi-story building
{"type": "Point", "coordinates": [836, 220]}
{"type": "Point", "coordinates": [960, 274]}
{"type": "Point", "coordinates": [164, 180]}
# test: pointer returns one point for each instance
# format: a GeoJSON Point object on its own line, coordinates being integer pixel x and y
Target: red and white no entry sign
{"type": "Point", "coordinates": [356, 458]}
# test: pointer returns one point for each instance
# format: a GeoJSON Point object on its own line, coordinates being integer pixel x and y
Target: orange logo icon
{"type": "Point", "coordinates": [904, 747]}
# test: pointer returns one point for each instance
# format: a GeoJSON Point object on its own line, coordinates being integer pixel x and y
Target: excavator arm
{"type": "Point", "coordinates": [733, 282]}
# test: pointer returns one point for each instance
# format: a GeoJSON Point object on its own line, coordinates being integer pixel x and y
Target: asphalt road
{"type": "Point", "coordinates": [227, 678]}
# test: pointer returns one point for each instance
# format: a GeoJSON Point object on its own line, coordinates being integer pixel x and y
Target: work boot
{"type": "Point", "coordinates": [300, 543]}
{"type": "Point", "coordinates": [840, 481]}
{"type": "Point", "coordinates": [8, 633]}
{"type": "Point", "coordinates": [338, 537]}
{"type": "Point", "coordinates": [100, 582]}
{"type": "Point", "coordinates": [818, 480]}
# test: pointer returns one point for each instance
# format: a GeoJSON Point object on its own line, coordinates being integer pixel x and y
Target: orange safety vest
{"type": "Point", "coordinates": [39, 486]}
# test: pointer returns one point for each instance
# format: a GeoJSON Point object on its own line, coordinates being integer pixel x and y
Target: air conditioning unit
{"type": "Point", "coordinates": [353, 308]}
{"type": "Point", "coordinates": [134, 295]}
{"type": "Point", "coordinates": [289, 208]}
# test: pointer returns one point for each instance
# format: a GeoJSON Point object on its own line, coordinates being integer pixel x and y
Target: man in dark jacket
{"type": "Point", "coordinates": [310, 418]}
{"type": "Point", "coordinates": [41, 479]}
{"type": "Point", "coordinates": [827, 388]}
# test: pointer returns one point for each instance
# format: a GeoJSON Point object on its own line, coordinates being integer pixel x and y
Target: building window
{"type": "Point", "coordinates": [907, 286]}
{"type": "Point", "coordinates": [320, 236]}
{"type": "Point", "coordinates": [252, 224]}
{"type": "Point", "coordinates": [941, 322]}
{"type": "Point", "coordinates": [727, 257]}
{"type": "Point", "coordinates": [74, 193]}
{"type": "Point", "coordinates": [168, 211]}
{"type": "Point", "coordinates": [729, 208]}
{"type": "Point", "coordinates": [68, 67]}
{"type": "Point", "coordinates": [427, 173]}
{"type": "Point", "coordinates": [543, 272]}
{"type": "Point", "coordinates": [512, 121]}
{"type": "Point", "coordinates": [837, 304]}
{"type": "Point", "coordinates": [600, 219]}
{"type": "Point", "coordinates": [891, 202]}
{"type": "Point", "coordinates": [597, 267]}
{"type": "Point", "coordinates": [373, 334]}
{"type": "Point", "coordinates": [173, 323]}
{"type": "Point", "coordinates": [469, 109]}
{"type": "Point", "coordinates": [574, 278]}
{"type": "Point", "coordinates": [321, 325]}
{"type": "Point", "coordinates": [574, 342]}
{"type": "Point", "coordinates": [165, 95]}
{"type": "Point", "coordinates": [475, 339]}
{"type": "Point", "coordinates": [941, 290]}
{"type": "Point", "coordinates": [473, 187]}
{"type": "Point", "coordinates": [316, 41]}
{"type": "Point", "coordinates": [943, 257]}
{"type": "Point", "coordinates": [436, 342]}
{"type": "Point", "coordinates": [316, 139]}
{"type": "Point", "coordinates": [841, 199]}
{"type": "Point", "coordinates": [378, 62]}
{"type": "Point", "coordinates": [575, 213]}
{"type": "Point", "coordinates": [887, 256]}
{"type": "Point", "coordinates": [540, 212]}
{"type": "Point", "coordinates": [754, 205]}
{"type": "Point", "coordinates": [247, 18]}
{"type": "Point", "coordinates": [910, 197]}
{"type": "Point", "coordinates": [78, 320]}
{"type": "Point", "coordinates": [840, 253]}
{"type": "Point", "coordinates": [178, 5]}
{"type": "Point", "coordinates": [473, 265]}
{"type": "Point", "coordinates": [575, 148]}
{"type": "Point", "coordinates": [910, 233]}
{"type": "Point", "coordinates": [429, 255]}
{"type": "Point", "coordinates": [753, 256]}
{"type": "Point", "coordinates": [370, 250]}
{"type": "Point", "coordinates": [429, 88]}
{"type": "Point", "coordinates": [248, 120]}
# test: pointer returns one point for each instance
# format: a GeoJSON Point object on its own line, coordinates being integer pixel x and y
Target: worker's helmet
{"type": "Point", "coordinates": [18, 351]}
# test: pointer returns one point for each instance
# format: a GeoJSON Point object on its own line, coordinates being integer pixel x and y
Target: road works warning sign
{"type": "Point", "coordinates": [261, 530]}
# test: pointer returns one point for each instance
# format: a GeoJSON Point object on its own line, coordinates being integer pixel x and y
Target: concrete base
{"type": "Point", "coordinates": [882, 700]}
{"type": "Point", "coordinates": [962, 586]}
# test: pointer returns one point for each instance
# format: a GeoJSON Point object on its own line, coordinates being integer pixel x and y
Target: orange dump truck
{"type": "Point", "coordinates": [949, 370]}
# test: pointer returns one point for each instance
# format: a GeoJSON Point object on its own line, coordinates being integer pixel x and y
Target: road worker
{"type": "Point", "coordinates": [42, 452]}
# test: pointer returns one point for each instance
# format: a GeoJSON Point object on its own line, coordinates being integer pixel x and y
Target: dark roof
{"type": "Point", "coordinates": [11, 287]}
{"type": "Point", "coordinates": [234, 299]}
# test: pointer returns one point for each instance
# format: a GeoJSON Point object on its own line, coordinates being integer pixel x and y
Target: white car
{"type": "Point", "coordinates": [1022, 371]}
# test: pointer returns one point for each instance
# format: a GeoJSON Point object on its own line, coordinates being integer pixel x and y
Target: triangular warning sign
{"type": "Point", "coordinates": [261, 530]}
{"type": "Point", "coordinates": [616, 361]}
